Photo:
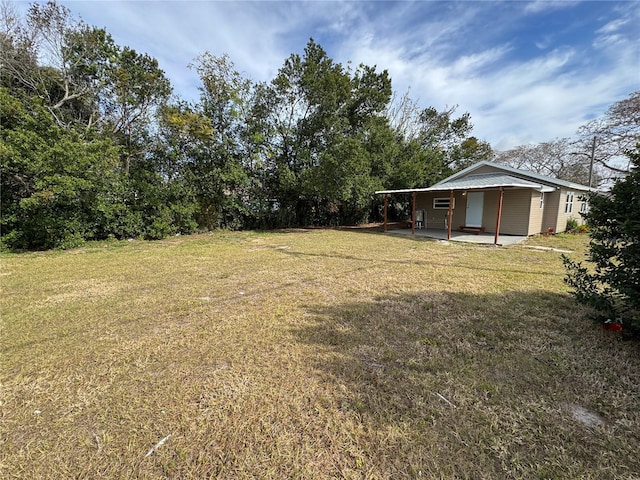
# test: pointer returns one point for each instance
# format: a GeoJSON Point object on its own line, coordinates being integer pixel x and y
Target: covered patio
{"type": "Point", "coordinates": [449, 233]}
{"type": "Point", "coordinates": [469, 231]}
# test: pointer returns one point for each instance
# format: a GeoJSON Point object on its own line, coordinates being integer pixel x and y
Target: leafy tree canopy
{"type": "Point", "coordinates": [96, 146]}
{"type": "Point", "coordinates": [54, 184]}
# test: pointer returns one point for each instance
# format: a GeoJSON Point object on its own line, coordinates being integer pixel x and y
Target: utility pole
{"type": "Point", "coordinates": [593, 154]}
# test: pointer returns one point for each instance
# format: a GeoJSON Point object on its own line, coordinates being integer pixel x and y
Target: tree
{"type": "Point", "coordinates": [560, 158]}
{"type": "Point", "coordinates": [57, 58]}
{"type": "Point", "coordinates": [97, 93]}
{"type": "Point", "coordinates": [611, 281]}
{"type": "Point", "coordinates": [441, 141]}
{"type": "Point", "coordinates": [83, 77]}
{"type": "Point", "coordinates": [182, 132]}
{"type": "Point", "coordinates": [616, 133]}
{"type": "Point", "coordinates": [55, 186]}
{"type": "Point", "coordinates": [601, 148]}
{"type": "Point", "coordinates": [134, 88]}
{"type": "Point", "coordinates": [220, 170]}
{"type": "Point", "coordinates": [470, 151]}
{"type": "Point", "coordinates": [321, 126]}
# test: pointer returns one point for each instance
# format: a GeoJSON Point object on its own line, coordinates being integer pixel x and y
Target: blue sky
{"type": "Point", "coordinates": [527, 72]}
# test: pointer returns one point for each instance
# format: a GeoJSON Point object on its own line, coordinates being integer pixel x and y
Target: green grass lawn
{"type": "Point", "coordinates": [309, 354]}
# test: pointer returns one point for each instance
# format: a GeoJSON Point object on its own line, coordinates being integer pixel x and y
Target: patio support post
{"type": "Point", "coordinates": [386, 201]}
{"type": "Point", "coordinates": [413, 213]}
{"type": "Point", "coordinates": [495, 240]}
{"type": "Point", "coordinates": [450, 215]}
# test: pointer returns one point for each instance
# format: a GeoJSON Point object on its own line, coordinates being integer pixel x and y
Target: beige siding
{"type": "Point", "coordinates": [484, 169]}
{"type": "Point", "coordinates": [521, 212]}
{"type": "Point", "coordinates": [490, 212]}
{"type": "Point", "coordinates": [516, 206]}
{"type": "Point", "coordinates": [551, 208]}
{"type": "Point", "coordinates": [561, 223]}
{"type": "Point", "coordinates": [535, 213]}
{"type": "Point", "coordinates": [436, 218]}
{"type": "Point", "coordinates": [517, 211]}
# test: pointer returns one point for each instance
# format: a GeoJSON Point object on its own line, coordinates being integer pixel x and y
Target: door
{"type": "Point", "coordinates": [475, 203]}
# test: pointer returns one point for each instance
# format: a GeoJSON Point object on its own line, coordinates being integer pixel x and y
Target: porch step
{"type": "Point", "coordinates": [476, 230]}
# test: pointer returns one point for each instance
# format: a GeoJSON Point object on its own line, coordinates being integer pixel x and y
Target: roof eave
{"type": "Point", "coordinates": [543, 178]}
{"type": "Point", "coordinates": [445, 188]}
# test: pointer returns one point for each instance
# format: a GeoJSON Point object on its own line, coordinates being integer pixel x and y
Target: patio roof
{"type": "Point", "coordinates": [477, 182]}
{"type": "Point", "coordinates": [485, 181]}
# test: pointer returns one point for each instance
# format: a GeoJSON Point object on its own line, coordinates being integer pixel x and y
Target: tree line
{"type": "Point", "coordinates": [96, 145]}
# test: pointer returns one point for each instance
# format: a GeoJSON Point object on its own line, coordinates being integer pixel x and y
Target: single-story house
{"type": "Point", "coordinates": [492, 198]}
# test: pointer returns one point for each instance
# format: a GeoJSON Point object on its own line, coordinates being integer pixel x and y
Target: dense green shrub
{"type": "Point", "coordinates": [53, 180]}
{"type": "Point", "coordinates": [572, 225]}
{"type": "Point", "coordinates": [610, 282]}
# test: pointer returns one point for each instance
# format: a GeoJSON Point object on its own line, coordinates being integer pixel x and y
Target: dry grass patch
{"type": "Point", "coordinates": [308, 354]}
{"type": "Point", "coordinates": [564, 241]}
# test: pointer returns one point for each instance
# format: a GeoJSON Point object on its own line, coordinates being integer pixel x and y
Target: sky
{"type": "Point", "coordinates": [526, 71]}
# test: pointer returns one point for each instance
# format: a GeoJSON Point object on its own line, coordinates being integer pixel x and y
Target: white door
{"type": "Point", "coordinates": [475, 203]}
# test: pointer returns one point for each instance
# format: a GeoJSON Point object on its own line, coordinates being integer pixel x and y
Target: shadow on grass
{"type": "Point", "coordinates": [435, 332]}
{"type": "Point", "coordinates": [470, 386]}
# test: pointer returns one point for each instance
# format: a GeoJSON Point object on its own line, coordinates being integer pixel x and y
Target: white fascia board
{"type": "Point", "coordinates": [445, 188]}
{"type": "Point", "coordinates": [404, 190]}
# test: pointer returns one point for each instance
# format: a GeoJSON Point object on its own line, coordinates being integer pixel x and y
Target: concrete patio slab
{"type": "Point", "coordinates": [481, 238]}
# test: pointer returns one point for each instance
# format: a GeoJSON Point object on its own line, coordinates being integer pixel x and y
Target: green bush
{"type": "Point", "coordinates": [572, 225]}
{"type": "Point", "coordinates": [611, 284]}
{"type": "Point", "coordinates": [53, 178]}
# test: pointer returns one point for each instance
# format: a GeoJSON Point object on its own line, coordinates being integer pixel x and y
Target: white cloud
{"type": "Point", "coordinates": [538, 6]}
{"type": "Point", "coordinates": [510, 103]}
{"type": "Point", "coordinates": [544, 43]}
{"type": "Point", "coordinates": [470, 65]}
{"type": "Point", "coordinates": [613, 35]}
{"type": "Point", "coordinates": [512, 99]}
{"type": "Point", "coordinates": [613, 26]}
{"type": "Point", "coordinates": [447, 53]}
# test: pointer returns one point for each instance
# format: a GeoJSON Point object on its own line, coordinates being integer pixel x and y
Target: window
{"type": "Point", "coordinates": [541, 199]}
{"type": "Point", "coordinates": [584, 207]}
{"type": "Point", "coordinates": [442, 203]}
{"type": "Point", "coordinates": [568, 206]}
{"type": "Point", "coordinates": [584, 203]}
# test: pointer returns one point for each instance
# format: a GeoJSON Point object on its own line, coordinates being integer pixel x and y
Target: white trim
{"type": "Point", "coordinates": [442, 201]}
{"type": "Point", "coordinates": [446, 188]}
{"type": "Point", "coordinates": [568, 204]}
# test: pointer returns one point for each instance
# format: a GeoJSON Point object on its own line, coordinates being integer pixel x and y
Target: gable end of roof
{"type": "Point", "coordinates": [531, 176]}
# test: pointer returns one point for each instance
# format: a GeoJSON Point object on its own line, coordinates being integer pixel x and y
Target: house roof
{"type": "Point", "coordinates": [478, 182]}
{"type": "Point", "coordinates": [511, 178]}
{"type": "Point", "coordinates": [519, 172]}
{"type": "Point", "coordinates": [489, 180]}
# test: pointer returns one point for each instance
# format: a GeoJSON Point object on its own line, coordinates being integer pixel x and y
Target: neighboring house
{"type": "Point", "coordinates": [487, 197]}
